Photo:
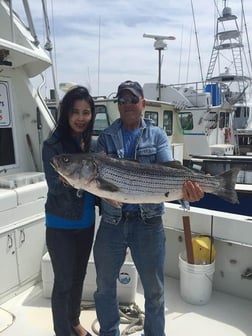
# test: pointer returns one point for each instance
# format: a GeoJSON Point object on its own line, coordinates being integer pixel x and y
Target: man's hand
{"type": "Point", "coordinates": [192, 192]}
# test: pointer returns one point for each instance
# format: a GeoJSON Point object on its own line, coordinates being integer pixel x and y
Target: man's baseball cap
{"type": "Point", "coordinates": [133, 87]}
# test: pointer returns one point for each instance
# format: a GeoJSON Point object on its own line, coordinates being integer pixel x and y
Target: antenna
{"type": "Point", "coordinates": [99, 58]}
{"type": "Point", "coordinates": [159, 37]}
{"type": "Point", "coordinates": [159, 45]}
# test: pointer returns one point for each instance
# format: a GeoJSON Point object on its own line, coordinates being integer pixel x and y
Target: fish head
{"type": "Point", "coordinates": [78, 169]}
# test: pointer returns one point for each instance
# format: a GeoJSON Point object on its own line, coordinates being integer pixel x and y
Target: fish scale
{"type": "Point", "coordinates": [133, 182]}
{"type": "Point", "coordinates": [148, 182]}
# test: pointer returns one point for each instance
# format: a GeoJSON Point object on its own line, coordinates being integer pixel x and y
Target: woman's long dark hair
{"type": "Point", "coordinates": [63, 129]}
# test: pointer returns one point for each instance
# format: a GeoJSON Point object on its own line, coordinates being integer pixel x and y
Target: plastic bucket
{"type": "Point", "coordinates": [196, 281]}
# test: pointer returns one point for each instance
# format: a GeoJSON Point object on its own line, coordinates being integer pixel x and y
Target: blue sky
{"type": "Point", "coordinates": [100, 43]}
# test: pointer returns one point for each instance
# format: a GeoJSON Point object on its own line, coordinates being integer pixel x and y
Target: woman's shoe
{"type": "Point", "coordinates": [76, 333]}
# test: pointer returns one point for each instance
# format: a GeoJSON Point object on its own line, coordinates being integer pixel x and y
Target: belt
{"type": "Point", "coordinates": [131, 214]}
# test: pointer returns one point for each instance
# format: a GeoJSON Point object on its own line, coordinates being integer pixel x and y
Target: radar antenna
{"type": "Point", "coordinates": [159, 45]}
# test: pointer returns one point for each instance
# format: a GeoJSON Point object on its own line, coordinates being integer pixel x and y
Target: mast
{"type": "Point", "coordinates": [49, 46]}
{"type": "Point", "coordinates": [197, 42]}
{"type": "Point", "coordinates": [228, 46]}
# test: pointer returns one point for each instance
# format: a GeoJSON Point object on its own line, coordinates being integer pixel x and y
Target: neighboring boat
{"type": "Point", "coordinates": [216, 115]}
{"type": "Point", "coordinates": [231, 87]}
{"type": "Point", "coordinates": [26, 276]}
{"type": "Point", "coordinates": [215, 111]}
{"type": "Point", "coordinates": [24, 123]}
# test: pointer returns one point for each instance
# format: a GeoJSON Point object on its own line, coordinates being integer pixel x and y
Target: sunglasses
{"type": "Point", "coordinates": [129, 100]}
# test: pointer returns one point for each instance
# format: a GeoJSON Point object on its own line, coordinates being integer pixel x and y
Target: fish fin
{"type": "Point", "coordinates": [105, 185]}
{"type": "Point", "coordinates": [226, 189]}
{"type": "Point", "coordinates": [129, 160]}
{"type": "Point", "coordinates": [167, 194]}
{"type": "Point", "coordinates": [175, 164]}
{"type": "Point", "coordinates": [102, 155]}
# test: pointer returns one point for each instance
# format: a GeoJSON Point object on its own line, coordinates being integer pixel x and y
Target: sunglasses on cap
{"type": "Point", "coordinates": [129, 100]}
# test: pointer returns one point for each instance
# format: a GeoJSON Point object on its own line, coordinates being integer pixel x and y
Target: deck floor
{"type": "Point", "coordinates": [29, 314]}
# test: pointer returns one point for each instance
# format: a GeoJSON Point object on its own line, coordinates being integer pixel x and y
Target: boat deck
{"type": "Point", "coordinates": [29, 314]}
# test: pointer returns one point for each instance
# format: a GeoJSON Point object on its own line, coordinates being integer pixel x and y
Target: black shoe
{"type": "Point", "coordinates": [75, 332]}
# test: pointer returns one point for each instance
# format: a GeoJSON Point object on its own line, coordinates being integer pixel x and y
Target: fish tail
{"type": "Point", "coordinates": [226, 189]}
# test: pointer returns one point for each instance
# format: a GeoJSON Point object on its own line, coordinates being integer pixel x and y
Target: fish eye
{"type": "Point", "coordinates": [65, 159]}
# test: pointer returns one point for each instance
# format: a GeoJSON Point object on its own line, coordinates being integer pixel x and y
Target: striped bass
{"type": "Point", "coordinates": [129, 181]}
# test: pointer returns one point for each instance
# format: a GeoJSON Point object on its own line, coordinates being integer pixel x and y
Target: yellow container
{"type": "Point", "coordinates": [204, 251]}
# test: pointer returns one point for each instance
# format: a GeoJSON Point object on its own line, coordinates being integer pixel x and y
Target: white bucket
{"type": "Point", "coordinates": [196, 281]}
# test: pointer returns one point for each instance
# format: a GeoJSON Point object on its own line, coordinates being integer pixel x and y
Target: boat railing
{"type": "Point", "coordinates": [198, 85]}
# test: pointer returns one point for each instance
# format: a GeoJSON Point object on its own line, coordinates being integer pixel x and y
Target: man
{"type": "Point", "coordinates": [137, 226]}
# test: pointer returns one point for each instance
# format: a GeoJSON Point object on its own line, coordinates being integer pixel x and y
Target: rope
{"type": "Point", "coordinates": [131, 315]}
{"type": "Point", "coordinates": [12, 317]}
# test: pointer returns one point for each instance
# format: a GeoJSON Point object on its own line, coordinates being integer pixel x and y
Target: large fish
{"type": "Point", "coordinates": [129, 181]}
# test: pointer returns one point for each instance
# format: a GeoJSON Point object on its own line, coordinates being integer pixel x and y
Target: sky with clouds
{"type": "Point", "coordinates": [100, 43]}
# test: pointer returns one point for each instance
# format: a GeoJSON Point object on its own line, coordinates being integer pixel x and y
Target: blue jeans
{"type": "Point", "coordinates": [146, 240]}
{"type": "Point", "coordinates": [69, 251]}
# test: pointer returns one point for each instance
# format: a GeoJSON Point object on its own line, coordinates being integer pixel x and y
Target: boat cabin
{"type": "Point", "coordinates": [162, 114]}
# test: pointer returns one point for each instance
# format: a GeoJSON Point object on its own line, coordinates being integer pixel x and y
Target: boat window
{"type": "Point", "coordinates": [246, 112]}
{"type": "Point", "coordinates": [101, 119]}
{"type": "Point", "coordinates": [186, 120]}
{"type": "Point", "coordinates": [7, 156]}
{"type": "Point", "coordinates": [54, 111]}
{"type": "Point", "coordinates": [224, 120]}
{"type": "Point", "coordinates": [237, 112]}
{"type": "Point", "coordinates": [167, 122]}
{"type": "Point", "coordinates": [212, 120]}
{"type": "Point", "coordinates": [153, 116]}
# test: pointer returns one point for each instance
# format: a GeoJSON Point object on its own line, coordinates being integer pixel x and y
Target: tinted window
{"type": "Point", "coordinates": [167, 122]}
{"type": "Point", "coordinates": [186, 120]}
{"type": "Point", "coordinates": [224, 120]}
{"type": "Point", "coordinates": [7, 156]}
{"type": "Point", "coordinates": [153, 116]}
{"type": "Point", "coordinates": [101, 119]}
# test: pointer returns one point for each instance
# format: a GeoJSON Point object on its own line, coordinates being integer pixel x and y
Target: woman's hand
{"type": "Point", "coordinates": [192, 192]}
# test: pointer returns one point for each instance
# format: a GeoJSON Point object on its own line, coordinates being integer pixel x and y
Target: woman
{"type": "Point", "coordinates": [70, 216]}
